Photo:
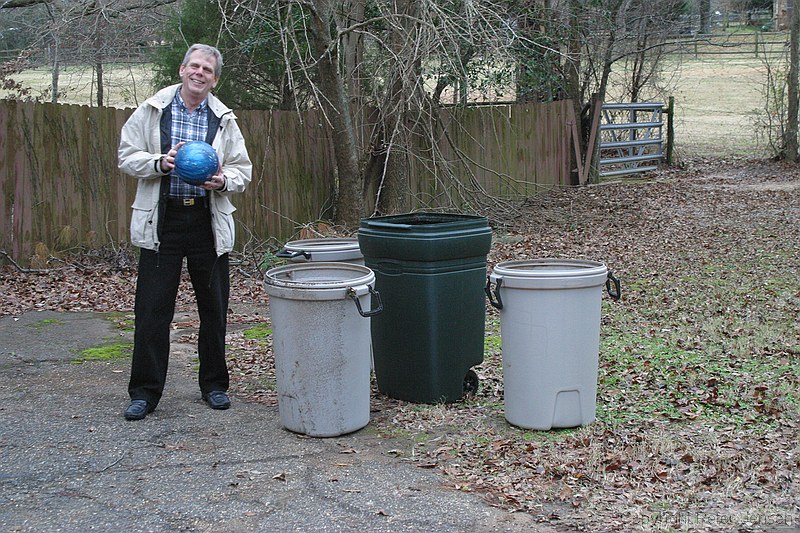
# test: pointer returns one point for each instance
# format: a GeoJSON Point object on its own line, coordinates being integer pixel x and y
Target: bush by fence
{"type": "Point", "coordinates": [61, 186]}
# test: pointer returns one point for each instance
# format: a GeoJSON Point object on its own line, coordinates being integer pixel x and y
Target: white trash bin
{"type": "Point", "coordinates": [329, 249]}
{"type": "Point", "coordinates": [321, 343]}
{"type": "Point", "coordinates": [550, 332]}
{"type": "Point", "coordinates": [325, 250]}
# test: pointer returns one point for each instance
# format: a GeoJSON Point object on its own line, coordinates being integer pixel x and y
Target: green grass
{"type": "Point", "coordinates": [492, 343]}
{"type": "Point", "coordinates": [44, 323]}
{"type": "Point", "coordinates": [107, 353]}
{"type": "Point", "coordinates": [123, 321]}
{"type": "Point", "coordinates": [716, 341]}
{"type": "Point", "coordinates": [260, 332]}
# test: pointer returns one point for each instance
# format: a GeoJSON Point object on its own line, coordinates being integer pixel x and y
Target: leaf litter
{"type": "Point", "coordinates": [699, 372]}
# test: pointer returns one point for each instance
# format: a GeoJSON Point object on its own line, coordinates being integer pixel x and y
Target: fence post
{"type": "Point", "coordinates": [670, 128]}
{"type": "Point", "coordinates": [756, 46]}
{"type": "Point", "coordinates": [591, 167]}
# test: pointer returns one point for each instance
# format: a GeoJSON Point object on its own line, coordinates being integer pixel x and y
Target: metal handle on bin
{"type": "Point", "coordinates": [286, 254]}
{"type": "Point", "coordinates": [498, 302]}
{"type": "Point", "coordinates": [351, 292]}
{"type": "Point", "coordinates": [615, 293]}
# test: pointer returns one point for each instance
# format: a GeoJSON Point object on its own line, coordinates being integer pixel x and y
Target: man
{"type": "Point", "coordinates": [173, 220]}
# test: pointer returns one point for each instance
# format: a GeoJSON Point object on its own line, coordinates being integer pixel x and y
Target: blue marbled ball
{"type": "Point", "coordinates": [196, 162]}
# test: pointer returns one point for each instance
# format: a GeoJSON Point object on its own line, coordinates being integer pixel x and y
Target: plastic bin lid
{"type": "Point", "coordinates": [550, 273]}
{"type": "Point", "coordinates": [318, 280]}
{"type": "Point", "coordinates": [336, 244]}
{"type": "Point", "coordinates": [421, 219]}
{"type": "Point", "coordinates": [550, 268]}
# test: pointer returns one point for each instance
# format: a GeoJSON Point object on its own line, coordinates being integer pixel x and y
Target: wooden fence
{"type": "Point", "coordinates": [61, 186]}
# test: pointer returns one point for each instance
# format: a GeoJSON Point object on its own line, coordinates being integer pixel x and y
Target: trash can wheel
{"type": "Point", "coordinates": [471, 382]}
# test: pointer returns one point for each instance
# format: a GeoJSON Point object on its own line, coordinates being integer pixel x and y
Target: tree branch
{"type": "Point", "coordinates": [11, 4]}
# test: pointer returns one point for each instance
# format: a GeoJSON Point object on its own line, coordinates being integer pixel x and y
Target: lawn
{"type": "Point", "coordinates": [125, 85]}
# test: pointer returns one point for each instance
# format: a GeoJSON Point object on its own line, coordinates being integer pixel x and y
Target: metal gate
{"type": "Point", "coordinates": [631, 138]}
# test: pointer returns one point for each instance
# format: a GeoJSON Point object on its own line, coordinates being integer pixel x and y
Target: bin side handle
{"type": "Point", "coordinates": [351, 292]}
{"type": "Point", "coordinates": [498, 301]}
{"type": "Point", "coordinates": [615, 292]}
{"type": "Point", "coordinates": [286, 254]}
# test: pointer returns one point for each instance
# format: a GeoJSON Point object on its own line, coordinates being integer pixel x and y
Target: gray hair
{"type": "Point", "coordinates": [207, 50]}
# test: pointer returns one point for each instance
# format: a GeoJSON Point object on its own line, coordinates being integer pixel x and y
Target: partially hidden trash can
{"type": "Point", "coordinates": [321, 342]}
{"type": "Point", "coordinates": [550, 332]}
{"type": "Point", "coordinates": [430, 269]}
{"type": "Point", "coordinates": [326, 250]}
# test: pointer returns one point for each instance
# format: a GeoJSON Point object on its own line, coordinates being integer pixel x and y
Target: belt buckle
{"type": "Point", "coordinates": [188, 202]}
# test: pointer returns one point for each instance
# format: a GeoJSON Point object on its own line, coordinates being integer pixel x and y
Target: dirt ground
{"type": "Point", "coordinates": [699, 368]}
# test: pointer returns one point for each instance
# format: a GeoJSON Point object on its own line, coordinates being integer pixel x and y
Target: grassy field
{"type": "Point", "coordinates": [717, 105]}
{"type": "Point", "coordinates": [718, 99]}
{"type": "Point", "coordinates": [126, 85]}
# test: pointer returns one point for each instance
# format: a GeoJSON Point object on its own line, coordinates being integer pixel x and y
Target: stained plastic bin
{"type": "Point", "coordinates": [430, 269]}
{"type": "Point", "coordinates": [321, 341]}
{"type": "Point", "coordinates": [550, 331]}
{"type": "Point", "coordinates": [330, 249]}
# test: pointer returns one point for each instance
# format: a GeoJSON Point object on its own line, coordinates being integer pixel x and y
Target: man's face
{"type": "Point", "coordinates": [198, 75]}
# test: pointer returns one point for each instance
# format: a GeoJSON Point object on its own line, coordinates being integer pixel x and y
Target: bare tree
{"type": "Point", "coordinates": [386, 65]}
{"type": "Point", "coordinates": [704, 10]}
{"type": "Point", "coordinates": [588, 46]}
{"type": "Point", "coordinates": [90, 32]}
{"type": "Point", "coordinates": [791, 140]}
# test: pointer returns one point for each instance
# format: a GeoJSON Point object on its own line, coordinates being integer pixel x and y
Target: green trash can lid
{"type": "Point", "coordinates": [415, 220]}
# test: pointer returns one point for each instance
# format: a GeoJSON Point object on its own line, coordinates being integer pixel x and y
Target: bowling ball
{"type": "Point", "coordinates": [196, 162]}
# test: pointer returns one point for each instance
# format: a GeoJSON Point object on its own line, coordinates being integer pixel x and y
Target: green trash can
{"type": "Point", "coordinates": [430, 269]}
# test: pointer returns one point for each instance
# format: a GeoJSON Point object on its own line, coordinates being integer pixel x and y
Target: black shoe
{"type": "Point", "coordinates": [217, 399]}
{"type": "Point", "coordinates": [138, 409]}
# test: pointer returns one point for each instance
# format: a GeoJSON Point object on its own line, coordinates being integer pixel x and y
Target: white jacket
{"type": "Point", "coordinates": [140, 148]}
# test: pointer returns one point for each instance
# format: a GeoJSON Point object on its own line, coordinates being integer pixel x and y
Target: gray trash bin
{"type": "Point", "coordinates": [550, 331]}
{"type": "Point", "coordinates": [329, 249]}
{"type": "Point", "coordinates": [321, 343]}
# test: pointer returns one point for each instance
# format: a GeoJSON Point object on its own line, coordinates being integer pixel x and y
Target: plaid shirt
{"type": "Point", "coordinates": [187, 126]}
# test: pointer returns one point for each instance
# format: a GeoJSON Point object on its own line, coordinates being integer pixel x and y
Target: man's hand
{"type": "Point", "coordinates": [168, 159]}
{"type": "Point", "coordinates": [216, 183]}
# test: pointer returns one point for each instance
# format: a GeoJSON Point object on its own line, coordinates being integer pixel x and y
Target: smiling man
{"type": "Point", "coordinates": [173, 220]}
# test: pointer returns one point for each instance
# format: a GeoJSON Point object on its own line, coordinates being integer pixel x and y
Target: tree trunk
{"type": "Point", "coordinates": [572, 69]}
{"type": "Point", "coordinates": [349, 204]}
{"type": "Point", "coordinates": [704, 6]}
{"type": "Point", "coordinates": [353, 48]}
{"type": "Point", "coordinates": [791, 141]}
{"type": "Point", "coordinates": [98, 61]}
{"type": "Point", "coordinates": [615, 11]}
{"type": "Point", "coordinates": [393, 189]}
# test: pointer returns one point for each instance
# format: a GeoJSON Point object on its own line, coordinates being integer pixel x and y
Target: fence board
{"type": "Point", "coordinates": [61, 185]}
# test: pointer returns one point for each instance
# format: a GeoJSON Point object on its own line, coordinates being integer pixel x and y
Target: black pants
{"type": "Point", "coordinates": [186, 232]}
